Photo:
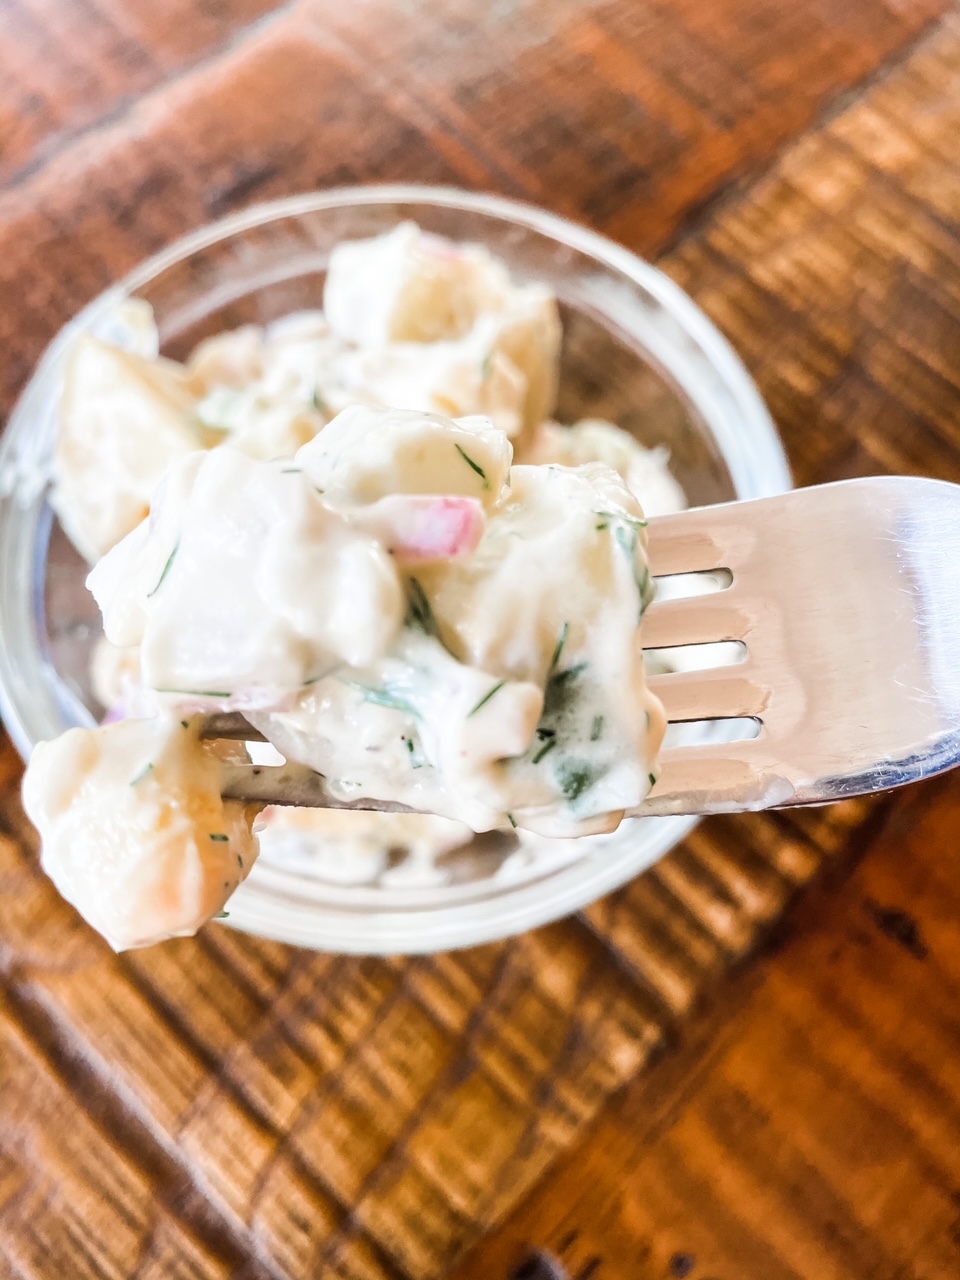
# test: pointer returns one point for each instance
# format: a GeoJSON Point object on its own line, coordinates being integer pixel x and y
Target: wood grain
{"type": "Point", "coordinates": [814, 1136]}
{"type": "Point", "coordinates": [373, 91]}
{"type": "Point", "coordinates": [67, 67]}
{"type": "Point", "coordinates": [810, 1127]}
{"type": "Point", "coordinates": [226, 1106]}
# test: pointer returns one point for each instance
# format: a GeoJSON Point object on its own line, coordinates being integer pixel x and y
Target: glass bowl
{"type": "Point", "coordinates": [636, 350]}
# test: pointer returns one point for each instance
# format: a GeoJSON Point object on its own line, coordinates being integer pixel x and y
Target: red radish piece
{"type": "Point", "coordinates": [419, 527]}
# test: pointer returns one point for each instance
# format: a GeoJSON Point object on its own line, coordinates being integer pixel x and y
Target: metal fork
{"type": "Point", "coordinates": [846, 600]}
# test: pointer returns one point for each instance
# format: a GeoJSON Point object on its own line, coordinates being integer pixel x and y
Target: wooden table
{"type": "Point", "coordinates": [743, 1066]}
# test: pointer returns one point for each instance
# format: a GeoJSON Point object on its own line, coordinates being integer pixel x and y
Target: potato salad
{"type": "Point", "coordinates": [360, 528]}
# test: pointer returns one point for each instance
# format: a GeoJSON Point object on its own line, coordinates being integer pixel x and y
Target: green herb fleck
{"type": "Point", "coordinates": [195, 693]}
{"type": "Point", "coordinates": [474, 466]}
{"type": "Point", "coordinates": [291, 471]}
{"type": "Point", "coordinates": [602, 525]}
{"type": "Point", "coordinates": [487, 365]}
{"type": "Point", "coordinates": [561, 641]}
{"type": "Point", "coordinates": [222, 915]}
{"type": "Point", "coordinates": [512, 820]}
{"type": "Point", "coordinates": [546, 733]}
{"type": "Point", "coordinates": [571, 673]}
{"type": "Point", "coordinates": [239, 862]}
{"type": "Point", "coordinates": [166, 570]}
{"type": "Point", "coordinates": [653, 779]}
{"type": "Point", "coordinates": [421, 613]}
{"type": "Point", "coordinates": [415, 763]}
{"type": "Point", "coordinates": [645, 587]}
{"type": "Point", "coordinates": [596, 729]}
{"type": "Point", "coordinates": [627, 539]}
{"type": "Point", "coordinates": [220, 836]}
{"type": "Point", "coordinates": [383, 698]}
{"type": "Point", "coordinates": [185, 724]}
{"type": "Point", "coordinates": [635, 521]}
{"type": "Point", "coordinates": [486, 698]}
{"type": "Point", "coordinates": [319, 403]}
{"type": "Point", "coordinates": [575, 777]}
{"type": "Point", "coordinates": [544, 750]}
{"type": "Point", "coordinates": [561, 690]}
{"type": "Point", "coordinates": [142, 774]}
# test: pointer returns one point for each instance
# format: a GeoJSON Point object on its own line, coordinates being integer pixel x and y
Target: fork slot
{"type": "Point", "coordinates": [721, 693]}
{"type": "Point", "coordinates": [694, 620]}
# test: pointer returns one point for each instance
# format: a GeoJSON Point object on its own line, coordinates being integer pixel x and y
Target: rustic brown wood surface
{"type": "Point", "coordinates": [708, 1074]}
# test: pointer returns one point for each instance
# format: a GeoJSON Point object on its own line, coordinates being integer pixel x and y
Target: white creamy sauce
{"type": "Point", "coordinates": [321, 523]}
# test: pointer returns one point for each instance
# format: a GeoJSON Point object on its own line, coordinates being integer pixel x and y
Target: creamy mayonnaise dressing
{"type": "Point", "coordinates": [483, 667]}
{"type": "Point", "coordinates": [384, 595]}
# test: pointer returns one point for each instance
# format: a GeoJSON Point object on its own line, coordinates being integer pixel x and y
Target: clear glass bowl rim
{"type": "Point", "coordinates": [756, 472]}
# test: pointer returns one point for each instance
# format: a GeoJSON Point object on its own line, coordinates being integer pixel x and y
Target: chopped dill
{"type": "Point", "coordinates": [653, 779]}
{"type": "Point", "coordinates": [602, 525]}
{"type": "Point", "coordinates": [570, 673]}
{"type": "Point", "coordinates": [596, 729]}
{"type": "Point", "coordinates": [221, 837]}
{"type": "Point", "coordinates": [383, 698]}
{"type": "Point", "coordinates": [474, 466]}
{"type": "Point", "coordinates": [291, 471]}
{"type": "Point", "coordinates": [562, 690]}
{"type": "Point", "coordinates": [148, 768]}
{"type": "Point", "coordinates": [561, 641]}
{"type": "Point", "coordinates": [546, 733]}
{"type": "Point", "coordinates": [646, 589]}
{"type": "Point", "coordinates": [421, 613]}
{"type": "Point", "coordinates": [185, 724]}
{"type": "Point", "coordinates": [195, 693]}
{"type": "Point", "coordinates": [166, 570]}
{"type": "Point", "coordinates": [415, 762]}
{"type": "Point", "coordinates": [486, 698]}
{"type": "Point", "coordinates": [635, 521]}
{"type": "Point", "coordinates": [512, 820]}
{"type": "Point", "coordinates": [222, 915]}
{"type": "Point", "coordinates": [319, 403]}
{"type": "Point", "coordinates": [628, 540]}
{"type": "Point", "coordinates": [487, 365]}
{"type": "Point", "coordinates": [575, 777]}
{"type": "Point", "coordinates": [544, 750]}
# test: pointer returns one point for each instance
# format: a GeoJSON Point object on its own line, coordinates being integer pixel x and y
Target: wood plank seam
{"type": "Point", "coordinates": [397, 1151]}
{"type": "Point", "coordinates": [546, 1085]}
{"type": "Point", "coordinates": [283, 1148]}
{"type": "Point", "coordinates": [119, 1122]}
{"type": "Point", "coordinates": [737, 188]}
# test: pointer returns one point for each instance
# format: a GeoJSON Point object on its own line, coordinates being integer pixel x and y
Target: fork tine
{"type": "Point", "coordinates": [291, 784]}
{"type": "Point", "coordinates": [717, 777]}
{"type": "Point", "coordinates": [695, 620]}
{"type": "Point", "coordinates": [232, 725]}
{"type": "Point", "coordinates": [681, 544]}
{"type": "Point", "coordinates": [720, 693]}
